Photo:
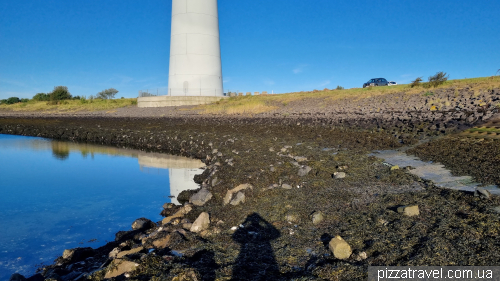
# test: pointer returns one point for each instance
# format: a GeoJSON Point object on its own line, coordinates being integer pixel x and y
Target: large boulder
{"type": "Point", "coordinates": [77, 254]}
{"type": "Point", "coordinates": [201, 197]}
{"type": "Point", "coordinates": [239, 198]}
{"type": "Point", "coordinates": [339, 247]}
{"type": "Point", "coordinates": [201, 223]}
{"type": "Point", "coordinates": [229, 194]}
{"type": "Point", "coordinates": [142, 223]}
{"type": "Point", "coordinates": [119, 267]}
{"type": "Point", "coordinates": [17, 277]}
{"type": "Point", "coordinates": [181, 212]}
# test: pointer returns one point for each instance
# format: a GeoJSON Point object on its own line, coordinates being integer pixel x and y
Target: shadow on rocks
{"type": "Point", "coordinates": [256, 260]}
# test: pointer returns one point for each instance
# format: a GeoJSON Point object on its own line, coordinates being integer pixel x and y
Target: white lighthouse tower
{"type": "Point", "coordinates": [195, 61]}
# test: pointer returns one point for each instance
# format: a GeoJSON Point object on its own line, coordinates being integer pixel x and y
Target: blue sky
{"type": "Point", "coordinates": [278, 45]}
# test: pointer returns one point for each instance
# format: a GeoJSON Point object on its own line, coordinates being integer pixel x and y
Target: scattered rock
{"type": "Point", "coordinates": [129, 252]}
{"type": "Point", "coordinates": [215, 181]}
{"type": "Point", "coordinates": [339, 175]}
{"type": "Point", "coordinates": [496, 209]}
{"type": "Point", "coordinates": [286, 186]}
{"type": "Point", "coordinates": [114, 253]}
{"type": "Point", "coordinates": [185, 195]}
{"type": "Point", "coordinates": [215, 151]}
{"type": "Point", "coordinates": [17, 277]}
{"type": "Point", "coordinates": [304, 170]}
{"type": "Point", "coordinates": [271, 149]}
{"type": "Point", "coordinates": [77, 254]}
{"type": "Point", "coordinates": [409, 210]}
{"type": "Point", "coordinates": [163, 242]}
{"type": "Point", "coordinates": [300, 158]}
{"type": "Point", "coordinates": [239, 198]}
{"type": "Point", "coordinates": [272, 169]}
{"type": "Point", "coordinates": [188, 275]}
{"type": "Point", "coordinates": [142, 223]}
{"type": "Point", "coordinates": [482, 193]}
{"type": "Point", "coordinates": [340, 249]}
{"type": "Point", "coordinates": [361, 256]}
{"type": "Point", "coordinates": [291, 218]}
{"type": "Point", "coordinates": [119, 267]}
{"type": "Point", "coordinates": [201, 223]}
{"type": "Point", "coordinates": [180, 213]}
{"type": "Point", "coordinates": [317, 217]}
{"type": "Point", "coordinates": [200, 198]}
{"type": "Point", "coordinates": [229, 194]}
{"type": "Point", "coordinates": [383, 222]}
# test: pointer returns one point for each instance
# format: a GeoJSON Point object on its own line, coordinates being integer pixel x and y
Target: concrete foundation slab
{"type": "Point", "coordinates": [164, 101]}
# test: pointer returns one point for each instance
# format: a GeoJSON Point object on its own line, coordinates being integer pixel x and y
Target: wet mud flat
{"type": "Point", "coordinates": [279, 192]}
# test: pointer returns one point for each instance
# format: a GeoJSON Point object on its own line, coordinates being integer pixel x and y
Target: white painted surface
{"type": "Point", "coordinates": [195, 61]}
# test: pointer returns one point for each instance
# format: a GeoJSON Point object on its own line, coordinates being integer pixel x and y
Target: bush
{"type": "Point", "coordinates": [437, 79]}
{"type": "Point", "coordinates": [60, 93]}
{"type": "Point", "coordinates": [25, 100]}
{"type": "Point", "coordinates": [11, 100]}
{"type": "Point", "coordinates": [416, 82]}
{"type": "Point", "coordinates": [41, 97]}
{"type": "Point", "coordinates": [107, 94]}
{"type": "Point", "coordinates": [339, 88]}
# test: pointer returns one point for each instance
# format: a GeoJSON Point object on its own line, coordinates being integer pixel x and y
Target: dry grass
{"type": "Point", "coordinates": [266, 103]}
{"type": "Point", "coordinates": [70, 105]}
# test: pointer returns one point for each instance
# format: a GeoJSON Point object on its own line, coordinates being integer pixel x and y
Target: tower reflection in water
{"type": "Point", "coordinates": [181, 170]}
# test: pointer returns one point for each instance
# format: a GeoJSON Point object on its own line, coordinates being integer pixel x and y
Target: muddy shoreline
{"type": "Point", "coordinates": [292, 169]}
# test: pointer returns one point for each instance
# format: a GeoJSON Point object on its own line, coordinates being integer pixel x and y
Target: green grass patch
{"type": "Point", "coordinates": [70, 105]}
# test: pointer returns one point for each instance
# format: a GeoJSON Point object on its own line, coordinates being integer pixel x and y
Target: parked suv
{"type": "Point", "coordinates": [376, 82]}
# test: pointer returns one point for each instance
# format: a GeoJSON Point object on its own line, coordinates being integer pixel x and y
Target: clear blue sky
{"type": "Point", "coordinates": [267, 45]}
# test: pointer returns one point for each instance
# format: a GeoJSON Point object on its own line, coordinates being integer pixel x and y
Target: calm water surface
{"type": "Point", "coordinates": [58, 195]}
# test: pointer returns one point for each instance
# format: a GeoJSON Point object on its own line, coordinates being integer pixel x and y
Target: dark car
{"type": "Point", "coordinates": [376, 82]}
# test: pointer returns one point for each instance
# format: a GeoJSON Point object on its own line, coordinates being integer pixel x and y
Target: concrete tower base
{"type": "Point", "coordinates": [163, 101]}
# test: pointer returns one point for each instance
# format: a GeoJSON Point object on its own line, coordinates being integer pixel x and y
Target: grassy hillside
{"type": "Point", "coordinates": [70, 105]}
{"type": "Point", "coordinates": [259, 104]}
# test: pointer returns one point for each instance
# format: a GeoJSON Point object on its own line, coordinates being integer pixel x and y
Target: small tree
{"type": "Point", "coordinates": [107, 94]}
{"type": "Point", "coordinates": [11, 100]}
{"type": "Point", "coordinates": [41, 97]}
{"type": "Point", "coordinates": [416, 82]}
{"type": "Point", "coordinates": [339, 87]}
{"type": "Point", "coordinates": [60, 93]}
{"type": "Point", "coordinates": [438, 79]}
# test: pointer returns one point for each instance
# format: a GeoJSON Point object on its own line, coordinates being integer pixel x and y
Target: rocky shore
{"type": "Point", "coordinates": [293, 194]}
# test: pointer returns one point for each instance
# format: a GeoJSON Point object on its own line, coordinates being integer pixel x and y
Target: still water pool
{"type": "Point", "coordinates": [59, 195]}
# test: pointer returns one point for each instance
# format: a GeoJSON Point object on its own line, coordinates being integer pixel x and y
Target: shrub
{"type": "Point", "coordinates": [416, 82]}
{"type": "Point", "coordinates": [41, 97]}
{"type": "Point", "coordinates": [339, 88]}
{"type": "Point", "coordinates": [25, 100]}
{"type": "Point", "coordinates": [107, 94]}
{"type": "Point", "coordinates": [11, 100]}
{"type": "Point", "coordinates": [437, 79]}
{"type": "Point", "coordinates": [60, 93]}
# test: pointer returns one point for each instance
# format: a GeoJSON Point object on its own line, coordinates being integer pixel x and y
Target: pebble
{"type": "Point", "coordinates": [409, 210]}
{"type": "Point", "coordinates": [340, 248]}
{"type": "Point", "coordinates": [339, 175]}
{"type": "Point", "coordinates": [304, 171]}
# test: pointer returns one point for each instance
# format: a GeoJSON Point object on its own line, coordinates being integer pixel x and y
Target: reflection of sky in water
{"type": "Point", "coordinates": [56, 196]}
